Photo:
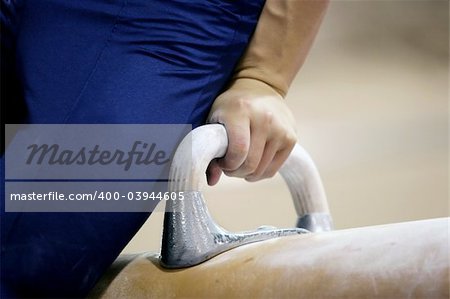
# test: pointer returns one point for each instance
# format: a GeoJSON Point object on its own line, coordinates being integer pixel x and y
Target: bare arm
{"type": "Point", "coordinates": [260, 126]}
{"type": "Point", "coordinates": [281, 42]}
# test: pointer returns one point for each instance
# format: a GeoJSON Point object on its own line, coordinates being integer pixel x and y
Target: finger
{"type": "Point", "coordinates": [279, 151]}
{"type": "Point", "coordinates": [277, 161]}
{"type": "Point", "coordinates": [238, 144]}
{"type": "Point", "coordinates": [270, 151]}
{"type": "Point", "coordinates": [213, 173]}
{"type": "Point", "coordinates": [258, 137]}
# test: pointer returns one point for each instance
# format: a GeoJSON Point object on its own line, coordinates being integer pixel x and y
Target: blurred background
{"type": "Point", "coordinates": [371, 104]}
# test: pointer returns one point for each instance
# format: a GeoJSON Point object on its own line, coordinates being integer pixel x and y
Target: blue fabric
{"type": "Point", "coordinates": [104, 61]}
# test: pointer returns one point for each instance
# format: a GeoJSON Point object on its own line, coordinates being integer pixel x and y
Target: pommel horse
{"type": "Point", "coordinates": [199, 259]}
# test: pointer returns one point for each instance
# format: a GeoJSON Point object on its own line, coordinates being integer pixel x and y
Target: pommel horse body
{"type": "Point", "coordinates": [199, 259]}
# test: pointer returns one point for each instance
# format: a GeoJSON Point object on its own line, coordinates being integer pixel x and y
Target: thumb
{"type": "Point", "coordinates": [213, 173]}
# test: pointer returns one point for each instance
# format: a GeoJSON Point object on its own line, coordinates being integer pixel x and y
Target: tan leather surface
{"type": "Point", "coordinates": [404, 260]}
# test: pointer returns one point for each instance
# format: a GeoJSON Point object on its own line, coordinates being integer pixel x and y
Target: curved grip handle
{"type": "Point", "coordinates": [208, 142]}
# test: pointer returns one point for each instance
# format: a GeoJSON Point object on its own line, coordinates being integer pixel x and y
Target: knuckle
{"type": "Point", "coordinates": [268, 117]}
{"type": "Point", "coordinates": [242, 103]}
{"type": "Point", "coordinates": [235, 156]}
{"type": "Point", "coordinates": [250, 165]}
{"type": "Point", "coordinates": [238, 150]}
{"type": "Point", "coordinates": [290, 139]}
{"type": "Point", "coordinates": [239, 142]}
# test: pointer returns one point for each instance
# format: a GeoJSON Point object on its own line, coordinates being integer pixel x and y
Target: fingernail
{"type": "Point", "coordinates": [250, 179]}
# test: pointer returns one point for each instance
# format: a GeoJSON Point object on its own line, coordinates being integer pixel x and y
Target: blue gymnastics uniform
{"type": "Point", "coordinates": [107, 62]}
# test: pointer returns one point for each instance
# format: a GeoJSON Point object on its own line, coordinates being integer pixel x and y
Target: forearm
{"type": "Point", "coordinates": [282, 39]}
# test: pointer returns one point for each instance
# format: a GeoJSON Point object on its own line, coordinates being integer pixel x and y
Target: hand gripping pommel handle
{"type": "Point", "coordinates": [191, 236]}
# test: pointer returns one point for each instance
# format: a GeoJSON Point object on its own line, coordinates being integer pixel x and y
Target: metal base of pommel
{"type": "Point", "coordinates": [191, 237]}
{"type": "Point", "coordinates": [316, 222]}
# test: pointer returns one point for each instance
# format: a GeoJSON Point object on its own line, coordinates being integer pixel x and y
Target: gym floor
{"type": "Point", "coordinates": [371, 104]}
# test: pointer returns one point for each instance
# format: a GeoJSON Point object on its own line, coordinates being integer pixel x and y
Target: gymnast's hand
{"type": "Point", "coordinates": [260, 127]}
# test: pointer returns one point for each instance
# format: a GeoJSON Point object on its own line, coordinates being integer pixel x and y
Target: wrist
{"type": "Point", "coordinates": [243, 82]}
